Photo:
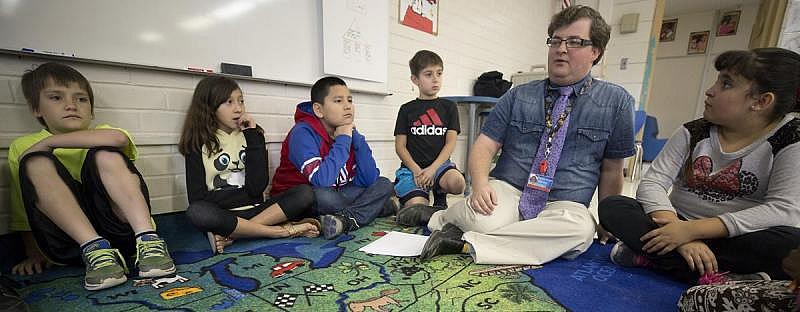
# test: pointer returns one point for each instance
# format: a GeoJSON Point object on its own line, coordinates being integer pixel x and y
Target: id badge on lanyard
{"type": "Point", "coordinates": [540, 182]}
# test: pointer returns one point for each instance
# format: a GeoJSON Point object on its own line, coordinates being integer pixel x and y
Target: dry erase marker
{"type": "Point", "coordinates": [56, 53]}
{"type": "Point", "coordinates": [200, 69]}
{"type": "Point", "coordinates": [29, 50]}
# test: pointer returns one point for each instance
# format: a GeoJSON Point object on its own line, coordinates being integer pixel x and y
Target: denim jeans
{"type": "Point", "coordinates": [361, 204]}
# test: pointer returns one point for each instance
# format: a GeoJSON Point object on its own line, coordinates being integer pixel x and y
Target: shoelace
{"type": "Point", "coordinates": [152, 248]}
{"type": "Point", "coordinates": [713, 278]}
{"type": "Point", "coordinates": [101, 258]}
{"type": "Point", "coordinates": [354, 223]}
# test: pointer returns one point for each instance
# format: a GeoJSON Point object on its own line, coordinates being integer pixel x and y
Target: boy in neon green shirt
{"type": "Point", "coordinates": [75, 192]}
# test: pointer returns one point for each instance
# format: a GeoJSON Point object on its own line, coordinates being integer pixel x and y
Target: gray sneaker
{"type": "Point", "coordinates": [104, 268]}
{"type": "Point", "coordinates": [152, 257]}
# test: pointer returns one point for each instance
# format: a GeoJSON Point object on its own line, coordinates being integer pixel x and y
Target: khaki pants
{"type": "Point", "coordinates": [564, 229]}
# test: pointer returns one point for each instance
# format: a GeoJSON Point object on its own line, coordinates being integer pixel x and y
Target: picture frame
{"type": "Point", "coordinates": [728, 23]}
{"type": "Point", "coordinates": [698, 42]}
{"type": "Point", "coordinates": [668, 29]}
{"type": "Point", "coordinates": [422, 15]}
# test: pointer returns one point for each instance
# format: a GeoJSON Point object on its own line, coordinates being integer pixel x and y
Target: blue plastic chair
{"type": "Point", "coordinates": [651, 144]}
{"type": "Point", "coordinates": [639, 118]}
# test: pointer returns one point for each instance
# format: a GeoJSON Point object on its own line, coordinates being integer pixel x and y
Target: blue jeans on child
{"type": "Point", "coordinates": [358, 203]}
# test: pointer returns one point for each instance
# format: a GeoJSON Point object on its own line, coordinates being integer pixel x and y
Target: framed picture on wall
{"type": "Point", "coordinates": [422, 15]}
{"type": "Point", "coordinates": [668, 28]}
{"type": "Point", "coordinates": [698, 41]}
{"type": "Point", "coordinates": [728, 23]}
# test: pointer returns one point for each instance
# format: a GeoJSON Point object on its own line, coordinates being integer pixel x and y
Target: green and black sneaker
{"type": "Point", "coordinates": [152, 257]}
{"type": "Point", "coordinates": [105, 266]}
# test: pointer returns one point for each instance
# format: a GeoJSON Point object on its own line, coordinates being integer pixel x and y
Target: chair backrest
{"type": "Point", "coordinates": [639, 118]}
{"type": "Point", "coordinates": [651, 127]}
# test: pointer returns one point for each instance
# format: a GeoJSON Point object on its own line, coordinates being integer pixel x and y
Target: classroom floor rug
{"type": "Point", "coordinates": [305, 274]}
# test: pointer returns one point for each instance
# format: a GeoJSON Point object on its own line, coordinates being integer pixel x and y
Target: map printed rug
{"type": "Point", "coordinates": [304, 274]}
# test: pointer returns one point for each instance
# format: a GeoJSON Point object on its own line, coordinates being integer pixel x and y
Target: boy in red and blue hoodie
{"type": "Point", "coordinates": [325, 150]}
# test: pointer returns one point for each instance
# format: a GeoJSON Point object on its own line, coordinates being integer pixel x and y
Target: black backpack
{"type": "Point", "coordinates": [491, 84]}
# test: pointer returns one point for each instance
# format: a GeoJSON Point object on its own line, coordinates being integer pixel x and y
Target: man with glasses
{"type": "Point", "coordinates": [561, 138]}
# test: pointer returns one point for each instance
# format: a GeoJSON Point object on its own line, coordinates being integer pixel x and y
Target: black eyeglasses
{"type": "Point", "coordinates": [571, 42]}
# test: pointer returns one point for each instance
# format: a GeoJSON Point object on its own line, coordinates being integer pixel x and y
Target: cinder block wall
{"type": "Point", "coordinates": [472, 39]}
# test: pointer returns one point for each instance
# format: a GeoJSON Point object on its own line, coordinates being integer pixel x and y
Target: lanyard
{"type": "Point", "coordinates": [551, 128]}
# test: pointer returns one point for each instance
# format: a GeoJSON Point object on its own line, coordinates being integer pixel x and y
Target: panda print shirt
{"type": "Point", "coordinates": [225, 169]}
{"type": "Point", "coordinates": [233, 177]}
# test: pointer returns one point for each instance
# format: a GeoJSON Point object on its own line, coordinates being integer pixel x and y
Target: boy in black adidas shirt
{"type": "Point", "coordinates": [425, 136]}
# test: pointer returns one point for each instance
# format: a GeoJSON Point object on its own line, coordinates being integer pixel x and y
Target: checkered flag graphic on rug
{"type": "Point", "coordinates": [316, 288]}
{"type": "Point", "coordinates": [285, 300]}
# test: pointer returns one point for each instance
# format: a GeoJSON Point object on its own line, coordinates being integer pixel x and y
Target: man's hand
{"type": "Point", "coordinates": [344, 130]}
{"type": "Point", "coordinates": [699, 257]}
{"type": "Point", "coordinates": [483, 199]}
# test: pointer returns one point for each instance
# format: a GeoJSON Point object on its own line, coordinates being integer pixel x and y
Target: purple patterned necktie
{"type": "Point", "coordinates": [533, 201]}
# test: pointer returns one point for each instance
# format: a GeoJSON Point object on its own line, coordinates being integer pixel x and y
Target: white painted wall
{"type": "Point", "coordinates": [680, 80]}
{"type": "Point", "coordinates": [474, 37]}
{"type": "Point", "coordinates": [632, 46]}
{"type": "Point", "coordinates": [790, 34]}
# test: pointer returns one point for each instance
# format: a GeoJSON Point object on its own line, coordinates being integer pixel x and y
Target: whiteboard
{"type": "Point", "coordinates": [280, 39]}
{"type": "Point", "coordinates": [354, 38]}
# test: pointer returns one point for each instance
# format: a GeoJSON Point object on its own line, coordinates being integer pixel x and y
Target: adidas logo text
{"type": "Point", "coordinates": [428, 130]}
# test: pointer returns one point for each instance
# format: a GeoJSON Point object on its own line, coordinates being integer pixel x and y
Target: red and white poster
{"type": "Point", "coordinates": [422, 15]}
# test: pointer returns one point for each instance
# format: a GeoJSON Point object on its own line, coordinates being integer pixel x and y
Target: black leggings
{"type": "Point", "coordinates": [760, 251]}
{"type": "Point", "coordinates": [210, 217]}
{"type": "Point", "coordinates": [93, 199]}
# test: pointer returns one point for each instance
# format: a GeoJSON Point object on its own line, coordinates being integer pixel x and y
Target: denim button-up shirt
{"type": "Point", "coordinates": [600, 127]}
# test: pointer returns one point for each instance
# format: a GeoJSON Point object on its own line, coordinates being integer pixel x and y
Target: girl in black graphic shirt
{"type": "Point", "coordinates": [219, 141]}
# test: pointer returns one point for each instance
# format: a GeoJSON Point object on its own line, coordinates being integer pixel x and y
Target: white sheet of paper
{"type": "Point", "coordinates": [397, 244]}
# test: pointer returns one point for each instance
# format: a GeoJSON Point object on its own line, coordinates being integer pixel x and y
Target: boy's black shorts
{"type": "Point", "coordinates": [93, 199]}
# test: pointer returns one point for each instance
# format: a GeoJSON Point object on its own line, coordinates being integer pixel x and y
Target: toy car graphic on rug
{"type": "Point", "coordinates": [305, 274]}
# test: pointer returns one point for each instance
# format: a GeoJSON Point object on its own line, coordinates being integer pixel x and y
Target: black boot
{"type": "Point", "coordinates": [445, 242]}
{"type": "Point", "coordinates": [452, 231]}
{"type": "Point", "coordinates": [415, 215]}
